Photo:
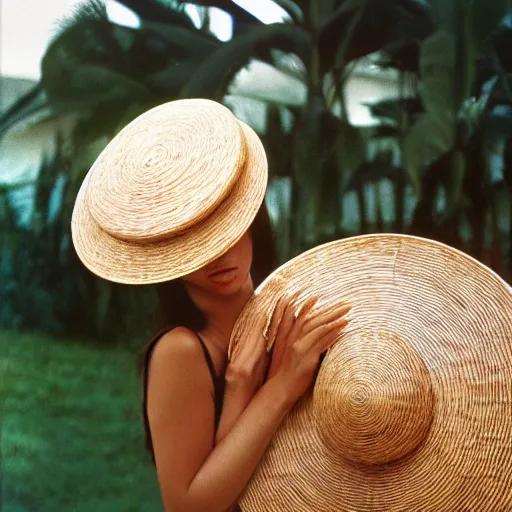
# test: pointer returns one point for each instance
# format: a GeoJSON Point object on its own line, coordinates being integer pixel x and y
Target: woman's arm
{"type": "Point", "coordinates": [194, 474]}
{"type": "Point", "coordinates": [244, 376]}
{"type": "Point", "coordinates": [239, 389]}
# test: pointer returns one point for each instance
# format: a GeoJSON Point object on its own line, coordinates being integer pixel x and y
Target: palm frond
{"type": "Point", "coordinates": [82, 11]}
{"type": "Point", "coordinates": [171, 13]}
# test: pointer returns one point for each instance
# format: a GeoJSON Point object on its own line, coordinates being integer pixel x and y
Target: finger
{"type": "Point", "coordinates": [329, 307]}
{"type": "Point", "coordinates": [276, 356]}
{"type": "Point", "coordinates": [277, 315]}
{"type": "Point", "coordinates": [333, 335]}
{"type": "Point", "coordinates": [254, 351]}
{"type": "Point", "coordinates": [317, 336]}
{"type": "Point", "coordinates": [323, 308]}
{"type": "Point", "coordinates": [294, 297]}
{"type": "Point", "coordinates": [308, 306]}
{"type": "Point", "coordinates": [330, 341]}
{"type": "Point", "coordinates": [268, 332]}
{"type": "Point", "coordinates": [288, 318]}
{"type": "Point", "coordinates": [316, 319]}
{"type": "Point", "coordinates": [301, 317]}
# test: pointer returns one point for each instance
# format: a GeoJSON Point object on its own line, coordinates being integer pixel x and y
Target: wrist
{"type": "Point", "coordinates": [238, 379]}
{"type": "Point", "coordinates": [235, 375]}
{"type": "Point", "coordinates": [280, 393]}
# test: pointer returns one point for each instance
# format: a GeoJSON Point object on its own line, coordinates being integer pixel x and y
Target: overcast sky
{"type": "Point", "coordinates": [26, 26]}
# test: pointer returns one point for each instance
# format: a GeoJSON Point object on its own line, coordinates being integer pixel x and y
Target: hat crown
{"type": "Point", "coordinates": [375, 403]}
{"type": "Point", "coordinates": [166, 171]}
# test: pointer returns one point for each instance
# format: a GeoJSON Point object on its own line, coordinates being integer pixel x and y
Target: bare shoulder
{"type": "Point", "coordinates": [180, 407]}
{"type": "Point", "coordinates": [177, 358]}
{"type": "Point", "coordinates": [178, 344]}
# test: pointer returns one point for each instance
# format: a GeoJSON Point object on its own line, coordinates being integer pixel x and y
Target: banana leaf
{"type": "Point", "coordinates": [392, 110]}
{"type": "Point", "coordinates": [321, 10]}
{"type": "Point", "coordinates": [278, 202]}
{"type": "Point", "coordinates": [486, 17]}
{"type": "Point", "coordinates": [381, 24]}
{"type": "Point", "coordinates": [180, 43]}
{"type": "Point", "coordinates": [434, 133]}
{"type": "Point", "coordinates": [501, 41]}
{"type": "Point", "coordinates": [385, 131]}
{"type": "Point", "coordinates": [214, 76]}
{"type": "Point", "coordinates": [350, 150]}
{"type": "Point", "coordinates": [293, 9]}
{"type": "Point", "coordinates": [169, 81]}
{"type": "Point", "coordinates": [274, 140]}
{"type": "Point", "coordinates": [401, 55]}
{"type": "Point", "coordinates": [311, 150]}
{"type": "Point", "coordinates": [241, 17]}
{"type": "Point", "coordinates": [170, 13]}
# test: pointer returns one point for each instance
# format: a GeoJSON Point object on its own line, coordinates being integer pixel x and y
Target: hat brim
{"type": "Point", "coordinates": [128, 262]}
{"type": "Point", "coordinates": [451, 311]}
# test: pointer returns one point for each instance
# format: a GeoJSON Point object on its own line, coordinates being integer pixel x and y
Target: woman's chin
{"type": "Point", "coordinates": [227, 289]}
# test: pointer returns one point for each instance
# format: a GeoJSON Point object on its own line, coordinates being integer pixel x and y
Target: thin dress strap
{"type": "Point", "coordinates": [218, 382]}
{"type": "Point", "coordinates": [208, 358]}
{"type": "Point", "coordinates": [218, 385]}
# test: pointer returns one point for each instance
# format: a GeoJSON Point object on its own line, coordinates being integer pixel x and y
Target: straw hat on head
{"type": "Point", "coordinates": [412, 409]}
{"type": "Point", "coordinates": [173, 191]}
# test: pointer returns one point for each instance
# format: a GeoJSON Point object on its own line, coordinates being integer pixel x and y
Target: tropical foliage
{"type": "Point", "coordinates": [437, 164]}
{"type": "Point", "coordinates": [461, 120]}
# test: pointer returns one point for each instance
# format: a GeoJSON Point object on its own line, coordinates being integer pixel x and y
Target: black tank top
{"type": "Point", "coordinates": [218, 385]}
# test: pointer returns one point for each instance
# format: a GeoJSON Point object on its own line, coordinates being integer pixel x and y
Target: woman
{"type": "Point", "coordinates": [208, 422]}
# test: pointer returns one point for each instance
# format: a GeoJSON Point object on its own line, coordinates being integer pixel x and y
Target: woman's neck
{"type": "Point", "coordinates": [221, 312]}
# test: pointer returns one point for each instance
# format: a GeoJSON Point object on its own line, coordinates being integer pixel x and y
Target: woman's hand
{"type": "Point", "coordinates": [193, 476]}
{"type": "Point", "coordinates": [301, 336]}
{"type": "Point", "coordinates": [244, 376]}
{"type": "Point", "coordinates": [248, 369]}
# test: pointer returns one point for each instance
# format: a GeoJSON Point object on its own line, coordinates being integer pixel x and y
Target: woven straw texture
{"type": "Point", "coordinates": [173, 191]}
{"type": "Point", "coordinates": [412, 410]}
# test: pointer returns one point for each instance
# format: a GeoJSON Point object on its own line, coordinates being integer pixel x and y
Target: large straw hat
{"type": "Point", "coordinates": [173, 191]}
{"type": "Point", "coordinates": [412, 410]}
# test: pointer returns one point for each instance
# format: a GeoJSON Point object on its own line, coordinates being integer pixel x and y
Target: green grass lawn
{"type": "Point", "coordinates": [70, 430]}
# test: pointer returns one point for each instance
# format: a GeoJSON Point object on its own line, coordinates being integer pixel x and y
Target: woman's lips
{"type": "Point", "coordinates": [223, 276]}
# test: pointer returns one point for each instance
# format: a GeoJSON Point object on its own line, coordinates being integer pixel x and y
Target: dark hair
{"type": "Point", "coordinates": [176, 308]}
